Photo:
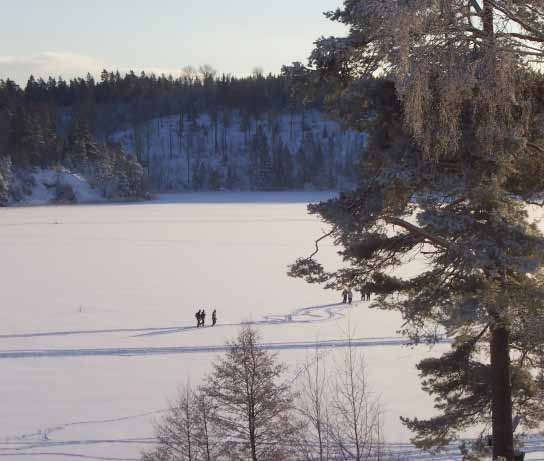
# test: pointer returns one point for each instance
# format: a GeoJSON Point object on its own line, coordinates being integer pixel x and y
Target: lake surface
{"type": "Point", "coordinates": [97, 315]}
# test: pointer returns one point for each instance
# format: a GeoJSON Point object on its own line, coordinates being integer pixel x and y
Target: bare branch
{"type": "Point", "coordinates": [323, 237]}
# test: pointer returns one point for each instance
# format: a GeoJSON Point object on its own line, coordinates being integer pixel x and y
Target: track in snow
{"type": "Point", "coordinates": [49, 441]}
{"type": "Point", "coordinates": [139, 351]}
{"type": "Point", "coordinates": [305, 315]}
{"type": "Point", "coordinates": [312, 314]}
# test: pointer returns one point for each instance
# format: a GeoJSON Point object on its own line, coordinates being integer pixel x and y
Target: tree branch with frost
{"type": "Point", "coordinates": [510, 15]}
{"type": "Point", "coordinates": [435, 239]}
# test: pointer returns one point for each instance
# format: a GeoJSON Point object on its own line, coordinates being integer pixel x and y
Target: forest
{"type": "Point", "coordinates": [127, 134]}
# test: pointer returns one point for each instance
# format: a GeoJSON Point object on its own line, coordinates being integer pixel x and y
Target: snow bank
{"type": "Point", "coordinates": [57, 186]}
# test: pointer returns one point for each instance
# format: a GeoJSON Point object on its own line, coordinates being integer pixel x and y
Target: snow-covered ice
{"type": "Point", "coordinates": [97, 316]}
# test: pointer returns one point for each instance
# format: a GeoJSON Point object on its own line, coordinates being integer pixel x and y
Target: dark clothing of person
{"type": "Point", "coordinates": [344, 296]}
{"type": "Point", "coordinates": [214, 318]}
{"type": "Point", "coordinates": [368, 296]}
{"type": "Point", "coordinates": [197, 316]}
{"type": "Point", "coordinates": [203, 317]}
{"type": "Point", "coordinates": [350, 297]}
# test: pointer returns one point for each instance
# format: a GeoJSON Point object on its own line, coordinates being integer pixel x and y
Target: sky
{"type": "Point", "coordinates": [73, 37]}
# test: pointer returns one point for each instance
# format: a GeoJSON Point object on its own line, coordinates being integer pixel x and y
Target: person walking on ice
{"type": "Point", "coordinates": [202, 317]}
{"type": "Point", "coordinates": [214, 317]}
{"type": "Point", "coordinates": [344, 296]}
{"type": "Point", "coordinates": [197, 316]}
{"type": "Point", "coordinates": [350, 296]}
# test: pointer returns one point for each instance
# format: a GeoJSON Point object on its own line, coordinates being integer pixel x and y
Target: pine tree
{"type": "Point", "coordinates": [260, 162]}
{"type": "Point", "coordinates": [26, 138]}
{"type": "Point", "coordinates": [81, 149]}
{"type": "Point", "coordinates": [454, 143]}
{"type": "Point", "coordinates": [282, 166]}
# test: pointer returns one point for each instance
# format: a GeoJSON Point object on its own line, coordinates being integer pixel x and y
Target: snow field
{"type": "Point", "coordinates": [97, 316]}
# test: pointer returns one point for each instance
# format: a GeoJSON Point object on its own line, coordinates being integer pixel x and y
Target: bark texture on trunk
{"type": "Point", "coordinates": [503, 438]}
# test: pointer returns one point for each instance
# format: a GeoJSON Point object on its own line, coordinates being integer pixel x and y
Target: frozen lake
{"type": "Point", "coordinates": [97, 315]}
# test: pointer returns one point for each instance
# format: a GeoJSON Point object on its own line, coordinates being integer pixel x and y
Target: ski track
{"type": "Point", "coordinates": [142, 351]}
{"type": "Point", "coordinates": [310, 314]}
{"type": "Point", "coordinates": [305, 315]}
{"type": "Point", "coordinates": [531, 445]}
{"type": "Point", "coordinates": [38, 443]}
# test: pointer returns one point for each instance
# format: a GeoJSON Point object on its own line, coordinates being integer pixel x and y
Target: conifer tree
{"type": "Point", "coordinates": [260, 162]}
{"type": "Point", "coordinates": [5, 176]}
{"type": "Point", "coordinates": [449, 170]}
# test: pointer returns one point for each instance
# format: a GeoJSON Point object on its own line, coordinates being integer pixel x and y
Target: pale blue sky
{"type": "Point", "coordinates": [72, 37]}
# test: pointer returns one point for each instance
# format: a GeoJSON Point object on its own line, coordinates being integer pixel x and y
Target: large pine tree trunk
{"type": "Point", "coordinates": [503, 439]}
{"type": "Point", "coordinates": [503, 434]}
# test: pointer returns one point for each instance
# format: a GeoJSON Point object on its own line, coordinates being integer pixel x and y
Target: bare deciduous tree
{"type": "Point", "coordinates": [185, 432]}
{"type": "Point", "coordinates": [253, 407]}
{"type": "Point", "coordinates": [355, 422]}
{"type": "Point", "coordinates": [343, 415]}
{"type": "Point", "coordinates": [176, 431]}
{"type": "Point", "coordinates": [313, 405]}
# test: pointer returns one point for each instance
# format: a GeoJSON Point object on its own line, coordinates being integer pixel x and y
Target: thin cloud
{"type": "Point", "coordinates": [67, 65]}
{"type": "Point", "coordinates": [50, 63]}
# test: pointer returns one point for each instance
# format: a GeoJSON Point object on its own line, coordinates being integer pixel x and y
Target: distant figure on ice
{"type": "Point", "coordinates": [344, 296]}
{"type": "Point", "coordinates": [202, 317]}
{"type": "Point", "coordinates": [365, 294]}
{"type": "Point", "coordinates": [350, 296]}
{"type": "Point", "coordinates": [214, 318]}
{"type": "Point", "coordinates": [197, 316]}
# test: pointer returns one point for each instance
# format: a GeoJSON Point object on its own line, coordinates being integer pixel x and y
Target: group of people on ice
{"type": "Point", "coordinates": [201, 318]}
{"type": "Point", "coordinates": [347, 295]}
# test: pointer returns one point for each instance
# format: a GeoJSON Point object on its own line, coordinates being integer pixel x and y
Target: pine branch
{"type": "Point", "coordinates": [439, 241]}
{"type": "Point", "coordinates": [323, 237]}
{"type": "Point", "coordinates": [476, 6]}
{"type": "Point", "coordinates": [516, 19]}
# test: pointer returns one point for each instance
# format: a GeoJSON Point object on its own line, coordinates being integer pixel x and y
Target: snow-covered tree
{"type": "Point", "coordinates": [5, 176]}
{"type": "Point", "coordinates": [454, 158]}
{"type": "Point", "coordinates": [260, 162]}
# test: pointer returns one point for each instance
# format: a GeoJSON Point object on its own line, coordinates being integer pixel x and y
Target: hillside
{"type": "Point", "coordinates": [126, 136]}
{"type": "Point", "coordinates": [226, 151]}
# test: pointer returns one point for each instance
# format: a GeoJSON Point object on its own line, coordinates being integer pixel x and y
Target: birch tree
{"type": "Point", "coordinates": [355, 426]}
{"type": "Point", "coordinates": [176, 431]}
{"type": "Point", "coordinates": [313, 404]}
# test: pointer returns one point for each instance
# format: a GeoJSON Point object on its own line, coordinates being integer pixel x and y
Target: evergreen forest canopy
{"type": "Point", "coordinates": [219, 131]}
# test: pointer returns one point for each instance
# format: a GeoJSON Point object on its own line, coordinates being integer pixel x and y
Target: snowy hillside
{"type": "Point", "coordinates": [227, 150]}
